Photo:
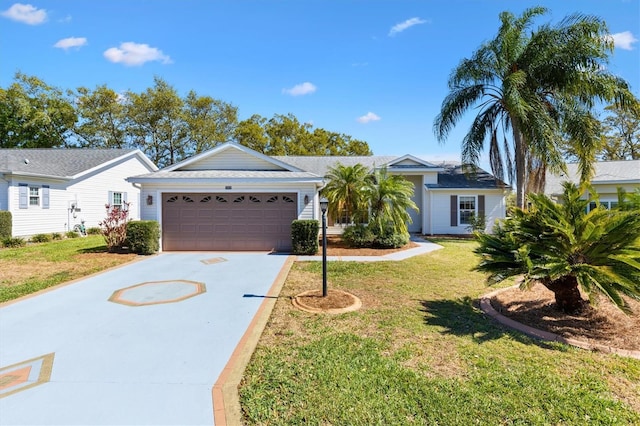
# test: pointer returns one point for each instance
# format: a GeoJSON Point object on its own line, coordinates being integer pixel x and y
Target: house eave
{"type": "Point", "coordinates": [36, 175]}
{"type": "Point", "coordinates": [152, 180]}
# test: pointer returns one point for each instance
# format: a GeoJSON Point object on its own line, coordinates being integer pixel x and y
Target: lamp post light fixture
{"type": "Point", "coordinates": [324, 204]}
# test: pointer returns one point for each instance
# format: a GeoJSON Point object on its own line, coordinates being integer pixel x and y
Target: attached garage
{"type": "Point", "coordinates": [228, 221]}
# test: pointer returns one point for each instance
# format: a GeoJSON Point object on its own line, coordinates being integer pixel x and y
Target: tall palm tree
{"type": "Point", "coordinates": [531, 88]}
{"type": "Point", "coordinates": [345, 189]}
{"type": "Point", "coordinates": [389, 198]}
{"type": "Point", "coordinates": [566, 248]}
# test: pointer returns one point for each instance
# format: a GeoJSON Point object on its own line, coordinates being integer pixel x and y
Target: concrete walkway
{"type": "Point", "coordinates": [142, 344]}
{"type": "Point", "coordinates": [424, 246]}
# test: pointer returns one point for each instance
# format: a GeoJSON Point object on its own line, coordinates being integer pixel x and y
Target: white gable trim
{"type": "Point", "coordinates": [418, 161]}
{"type": "Point", "coordinates": [231, 145]}
{"type": "Point", "coordinates": [137, 153]}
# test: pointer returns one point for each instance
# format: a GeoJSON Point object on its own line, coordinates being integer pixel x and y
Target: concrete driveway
{"type": "Point", "coordinates": [140, 344]}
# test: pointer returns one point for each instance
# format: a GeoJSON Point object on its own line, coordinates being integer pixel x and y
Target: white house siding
{"type": "Point", "coordinates": [4, 194]}
{"type": "Point", "coordinates": [440, 202]}
{"type": "Point", "coordinates": [231, 159]}
{"type": "Point", "coordinates": [89, 192]}
{"type": "Point", "coordinates": [36, 219]}
{"type": "Point", "coordinates": [153, 212]}
{"type": "Point", "coordinates": [610, 191]}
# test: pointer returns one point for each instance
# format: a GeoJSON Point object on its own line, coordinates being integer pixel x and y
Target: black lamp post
{"type": "Point", "coordinates": [324, 203]}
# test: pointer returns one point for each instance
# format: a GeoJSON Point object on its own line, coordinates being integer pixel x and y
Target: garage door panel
{"type": "Point", "coordinates": [228, 221]}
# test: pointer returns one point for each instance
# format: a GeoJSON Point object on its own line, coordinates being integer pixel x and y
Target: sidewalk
{"type": "Point", "coordinates": [424, 246]}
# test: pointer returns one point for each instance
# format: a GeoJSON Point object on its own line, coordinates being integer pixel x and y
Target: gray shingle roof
{"type": "Point", "coordinates": [605, 172]}
{"type": "Point", "coordinates": [454, 176]}
{"type": "Point", "coordinates": [320, 165]}
{"type": "Point", "coordinates": [62, 163]}
{"type": "Point", "coordinates": [227, 174]}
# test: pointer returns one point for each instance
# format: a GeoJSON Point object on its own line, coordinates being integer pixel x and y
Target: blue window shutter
{"type": "Point", "coordinates": [23, 195]}
{"type": "Point", "coordinates": [45, 196]}
{"type": "Point", "coordinates": [454, 210]}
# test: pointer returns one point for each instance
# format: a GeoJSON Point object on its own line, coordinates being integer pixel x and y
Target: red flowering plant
{"type": "Point", "coordinates": [114, 226]}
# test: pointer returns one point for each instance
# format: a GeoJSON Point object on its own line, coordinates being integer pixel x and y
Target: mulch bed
{"type": "Point", "coordinates": [337, 247]}
{"type": "Point", "coordinates": [604, 324]}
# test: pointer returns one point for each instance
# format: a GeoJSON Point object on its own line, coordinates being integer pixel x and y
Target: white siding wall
{"type": "Point", "coordinates": [231, 159]}
{"type": "Point", "coordinates": [90, 193]}
{"type": "Point", "coordinates": [4, 194]}
{"type": "Point", "coordinates": [440, 203]}
{"type": "Point", "coordinates": [431, 178]}
{"type": "Point", "coordinates": [153, 212]}
{"type": "Point", "coordinates": [416, 216]}
{"type": "Point", "coordinates": [610, 192]}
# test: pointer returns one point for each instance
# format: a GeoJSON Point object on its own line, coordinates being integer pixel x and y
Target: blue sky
{"type": "Point", "coordinates": [376, 70]}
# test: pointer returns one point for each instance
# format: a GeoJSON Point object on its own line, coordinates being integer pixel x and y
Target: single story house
{"type": "Point", "coordinates": [234, 198]}
{"type": "Point", "coordinates": [52, 190]}
{"type": "Point", "coordinates": [608, 177]}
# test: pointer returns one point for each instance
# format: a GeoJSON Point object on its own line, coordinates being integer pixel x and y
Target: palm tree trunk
{"type": "Point", "coordinates": [568, 298]}
{"type": "Point", "coordinates": [520, 158]}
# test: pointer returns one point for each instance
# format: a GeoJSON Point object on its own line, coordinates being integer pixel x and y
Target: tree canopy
{"type": "Point", "coordinates": [166, 126]}
{"type": "Point", "coordinates": [531, 87]}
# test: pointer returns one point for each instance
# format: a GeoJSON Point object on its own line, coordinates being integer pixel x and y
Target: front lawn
{"type": "Point", "coordinates": [420, 352]}
{"type": "Point", "coordinates": [25, 270]}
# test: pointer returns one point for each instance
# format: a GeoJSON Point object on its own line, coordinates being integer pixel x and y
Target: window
{"type": "Point", "coordinates": [34, 196]}
{"type": "Point", "coordinates": [117, 200]}
{"type": "Point", "coordinates": [467, 209]}
{"type": "Point", "coordinates": [606, 204]}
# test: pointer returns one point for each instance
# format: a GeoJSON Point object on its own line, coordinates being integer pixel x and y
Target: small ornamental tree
{"type": "Point", "coordinates": [567, 249]}
{"type": "Point", "coordinates": [114, 226]}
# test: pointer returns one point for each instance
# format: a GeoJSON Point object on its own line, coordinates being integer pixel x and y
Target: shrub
{"type": "Point", "coordinates": [41, 238]}
{"type": "Point", "coordinates": [5, 224]}
{"type": "Point", "coordinates": [114, 226]}
{"type": "Point", "coordinates": [358, 236]}
{"type": "Point", "coordinates": [391, 240]}
{"type": "Point", "coordinates": [56, 236]}
{"type": "Point", "coordinates": [94, 230]}
{"type": "Point", "coordinates": [304, 236]}
{"type": "Point", "coordinates": [12, 242]}
{"type": "Point", "coordinates": [143, 236]}
{"type": "Point", "coordinates": [71, 234]}
{"type": "Point", "coordinates": [477, 223]}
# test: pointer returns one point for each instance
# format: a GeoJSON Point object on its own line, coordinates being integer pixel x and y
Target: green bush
{"type": "Point", "coordinates": [41, 238]}
{"type": "Point", "coordinates": [94, 230]}
{"type": "Point", "coordinates": [358, 236]}
{"type": "Point", "coordinates": [5, 224]}
{"type": "Point", "coordinates": [12, 242]}
{"type": "Point", "coordinates": [391, 240]}
{"type": "Point", "coordinates": [71, 234]}
{"type": "Point", "coordinates": [143, 236]}
{"type": "Point", "coordinates": [304, 236]}
{"type": "Point", "coordinates": [56, 236]}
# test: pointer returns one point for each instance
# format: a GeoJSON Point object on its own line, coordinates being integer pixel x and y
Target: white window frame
{"type": "Point", "coordinates": [37, 197]}
{"type": "Point", "coordinates": [473, 211]}
{"type": "Point", "coordinates": [607, 204]}
{"type": "Point", "coordinates": [113, 200]}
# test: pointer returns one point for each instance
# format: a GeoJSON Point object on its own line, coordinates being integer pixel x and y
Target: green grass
{"type": "Point", "coordinates": [29, 269]}
{"type": "Point", "coordinates": [420, 352]}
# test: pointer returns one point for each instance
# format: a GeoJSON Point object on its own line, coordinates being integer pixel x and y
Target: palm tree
{"type": "Point", "coordinates": [344, 191]}
{"type": "Point", "coordinates": [567, 249]}
{"type": "Point", "coordinates": [531, 88]}
{"type": "Point", "coordinates": [389, 198]}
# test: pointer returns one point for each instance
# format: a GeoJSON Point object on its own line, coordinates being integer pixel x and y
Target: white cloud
{"type": "Point", "coordinates": [133, 54]}
{"type": "Point", "coordinates": [305, 88]}
{"type": "Point", "coordinates": [398, 28]}
{"type": "Point", "coordinates": [370, 116]}
{"type": "Point", "coordinates": [67, 43]}
{"type": "Point", "coordinates": [26, 13]}
{"type": "Point", "coordinates": [624, 40]}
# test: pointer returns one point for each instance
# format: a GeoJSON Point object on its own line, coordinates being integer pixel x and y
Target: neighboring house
{"type": "Point", "coordinates": [51, 190]}
{"type": "Point", "coordinates": [234, 198]}
{"type": "Point", "coordinates": [608, 177]}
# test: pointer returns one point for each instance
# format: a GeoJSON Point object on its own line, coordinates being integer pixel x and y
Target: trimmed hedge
{"type": "Point", "coordinates": [6, 226]}
{"type": "Point", "coordinates": [358, 236]}
{"type": "Point", "coordinates": [143, 236]}
{"type": "Point", "coordinates": [363, 236]}
{"type": "Point", "coordinates": [304, 236]}
{"type": "Point", "coordinates": [41, 238]}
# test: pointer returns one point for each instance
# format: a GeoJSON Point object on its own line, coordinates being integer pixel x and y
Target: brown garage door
{"type": "Point", "coordinates": [192, 221]}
